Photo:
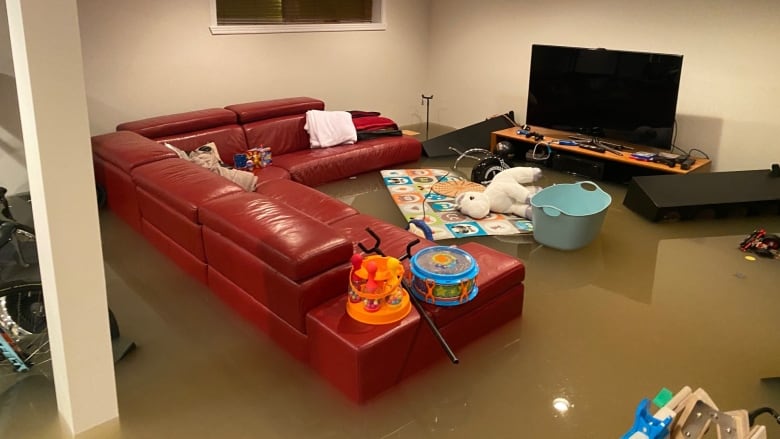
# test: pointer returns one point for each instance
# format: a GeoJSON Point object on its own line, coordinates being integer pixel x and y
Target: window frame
{"type": "Point", "coordinates": [378, 23]}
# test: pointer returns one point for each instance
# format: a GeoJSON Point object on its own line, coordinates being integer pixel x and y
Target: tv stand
{"type": "Point", "coordinates": [613, 163]}
{"type": "Point", "coordinates": [595, 141]}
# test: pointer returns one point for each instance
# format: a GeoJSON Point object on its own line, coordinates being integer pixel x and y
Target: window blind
{"type": "Point", "coordinates": [263, 12]}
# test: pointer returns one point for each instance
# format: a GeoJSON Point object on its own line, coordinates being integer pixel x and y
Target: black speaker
{"type": "Point", "coordinates": [472, 136]}
{"type": "Point", "coordinates": [703, 195]}
{"type": "Point", "coordinates": [577, 165]}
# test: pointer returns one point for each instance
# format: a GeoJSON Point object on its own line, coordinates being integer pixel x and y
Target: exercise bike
{"type": "Point", "coordinates": [24, 340]}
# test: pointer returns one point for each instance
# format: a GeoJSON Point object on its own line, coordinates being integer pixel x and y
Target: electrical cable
{"type": "Point", "coordinates": [430, 189]}
{"type": "Point", "coordinates": [753, 414]}
{"type": "Point", "coordinates": [536, 156]}
{"type": "Point", "coordinates": [686, 154]}
{"type": "Point", "coordinates": [421, 223]}
{"type": "Point", "coordinates": [679, 149]}
{"type": "Point", "coordinates": [700, 151]}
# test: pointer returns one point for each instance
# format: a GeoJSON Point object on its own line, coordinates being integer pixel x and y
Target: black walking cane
{"type": "Point", "coordinates": [412, 297]}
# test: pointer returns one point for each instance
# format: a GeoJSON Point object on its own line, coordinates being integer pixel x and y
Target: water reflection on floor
{"type": "Point", "coordinates": [644, 306]}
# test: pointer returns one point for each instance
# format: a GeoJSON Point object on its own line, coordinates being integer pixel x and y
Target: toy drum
{"type": "Point", "coordinates": [444, 276]}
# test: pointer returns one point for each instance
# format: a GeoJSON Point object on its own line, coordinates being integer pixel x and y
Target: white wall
{"type": "Point", "coordinates": [729, 102]}
{"type": "Point", "coordinates": [148, 57]}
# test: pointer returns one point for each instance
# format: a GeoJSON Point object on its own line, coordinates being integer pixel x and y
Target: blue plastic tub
{"type": "Point", "coordinates": [569, 216]}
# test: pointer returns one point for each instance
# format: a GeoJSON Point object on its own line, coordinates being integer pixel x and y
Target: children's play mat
{"type": "Point", "coordinates": [413, 191]}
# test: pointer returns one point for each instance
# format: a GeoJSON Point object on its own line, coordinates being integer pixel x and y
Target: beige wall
{"type": "Point", "coordinates": [729, 102]}
{"type": "Point", "coordinates": [149, 57]}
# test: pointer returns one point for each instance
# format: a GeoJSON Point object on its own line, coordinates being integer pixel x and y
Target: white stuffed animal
{"type": "Point", "coordinates": [504, 194]}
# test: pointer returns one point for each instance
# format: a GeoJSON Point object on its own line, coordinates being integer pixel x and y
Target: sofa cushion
{"type": "Point", "coordinates": [229, 139]}
{"type": "Point", "coordinates": [314, 167]}
{"type": "Point", "coordinates": [309, 201]}
{"type": "Point", "coordinates": [283, 134]}
{"type": "Point", "coordinates": [182, 186]}
{"type": "Point", "coordinates": [296, 245]}
{"type": "Point", "coordinates": [271, 172]}
{"type": "Point", "coordinates": [254, 111]}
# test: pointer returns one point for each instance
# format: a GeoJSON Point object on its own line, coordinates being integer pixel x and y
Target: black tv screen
{"type": "Point", "coordinates": [616, 95]}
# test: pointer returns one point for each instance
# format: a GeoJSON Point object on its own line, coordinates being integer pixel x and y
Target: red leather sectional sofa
{"type": "Point", "coordinates": [280, 255]}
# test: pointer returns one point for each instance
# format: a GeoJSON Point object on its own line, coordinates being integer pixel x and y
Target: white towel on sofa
{"type": "Point", "coordinates": [330, 128]}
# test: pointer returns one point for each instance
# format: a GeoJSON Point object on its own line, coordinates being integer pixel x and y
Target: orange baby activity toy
{"type": "Point", "coordinates": [375, 293]}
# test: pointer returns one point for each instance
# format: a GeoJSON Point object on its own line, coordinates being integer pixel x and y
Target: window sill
{"type": "Point", "coordinates": [286, 28]}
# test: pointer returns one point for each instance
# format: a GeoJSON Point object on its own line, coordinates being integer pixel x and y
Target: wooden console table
{"type": "Point", "coordinates": [624, 166]}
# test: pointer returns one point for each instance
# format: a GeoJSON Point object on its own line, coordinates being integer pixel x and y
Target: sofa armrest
{"type": "Point", "coordinates": [126, 149]}
{"type": "Point", "coordinates": [295, 245]}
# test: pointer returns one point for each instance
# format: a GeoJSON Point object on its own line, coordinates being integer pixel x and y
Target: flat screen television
{"type": "Point", "coordinates": [616, 95]}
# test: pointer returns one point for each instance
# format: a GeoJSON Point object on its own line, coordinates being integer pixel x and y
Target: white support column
{"type": "Point", "coordinates": [46, 49]}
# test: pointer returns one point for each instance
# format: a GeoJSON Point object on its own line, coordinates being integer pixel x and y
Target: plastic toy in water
{"type": "Point", "coordinates": [647, 426]}
{"type": "Point", "coordinates": [376, 295]}
{"type": "Point", "coordinates": [444, 276]}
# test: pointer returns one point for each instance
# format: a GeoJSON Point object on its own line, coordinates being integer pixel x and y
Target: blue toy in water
{"type": "Point", "coordinates": [647, 426]}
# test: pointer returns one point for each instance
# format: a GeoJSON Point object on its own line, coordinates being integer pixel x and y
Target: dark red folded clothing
{"type": "Point", "coordinates": [361, 113]}
{"type": "Point", "coordinates": [373, 123]}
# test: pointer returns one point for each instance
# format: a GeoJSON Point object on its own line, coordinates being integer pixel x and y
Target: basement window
{"type": "Point", "coordinates": [273, 16]}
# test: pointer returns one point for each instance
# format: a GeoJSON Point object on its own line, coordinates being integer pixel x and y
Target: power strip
{"type": "Point", "coordinates": [687, 163]}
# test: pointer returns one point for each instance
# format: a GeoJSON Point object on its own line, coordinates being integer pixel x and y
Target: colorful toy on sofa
{"type": "Point", "coordinates": [375, 293]}
{"type": "Point", "coordinates": [259, 157]}
{"type": "Point", "coordinates": [444, 276]}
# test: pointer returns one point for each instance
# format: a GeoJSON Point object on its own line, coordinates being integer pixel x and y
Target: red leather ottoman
{"type": "Point", "coordinates": [361, 360]}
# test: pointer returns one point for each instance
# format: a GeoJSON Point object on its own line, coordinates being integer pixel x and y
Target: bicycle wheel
{"type": "Point", "coordinates": [23, 320]}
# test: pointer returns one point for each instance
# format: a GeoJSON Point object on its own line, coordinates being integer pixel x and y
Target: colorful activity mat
{"type": "Point", "coordinates": [412, 190]}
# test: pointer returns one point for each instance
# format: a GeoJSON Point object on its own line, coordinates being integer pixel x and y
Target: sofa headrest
{"type": "Point", "coordinates": [254, 111]}
{"type": "Point", "coordinates": [179, 123]}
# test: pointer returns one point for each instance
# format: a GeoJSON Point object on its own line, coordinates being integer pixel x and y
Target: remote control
{"type": "Point", "coordinates": [667, 162]}
{"type": "Point", "coordinates": [593, 148]}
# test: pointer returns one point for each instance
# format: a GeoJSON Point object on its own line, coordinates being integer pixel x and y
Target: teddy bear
{"type": "Point", "coordinates": [506, 193]}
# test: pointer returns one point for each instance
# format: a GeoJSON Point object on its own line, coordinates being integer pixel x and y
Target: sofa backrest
{"type": "Point", "coordinates": [277, 123]}
{"type": "Point", "coordinates": [192, 129]}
